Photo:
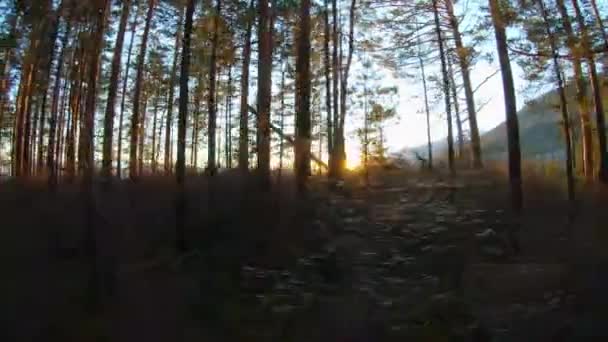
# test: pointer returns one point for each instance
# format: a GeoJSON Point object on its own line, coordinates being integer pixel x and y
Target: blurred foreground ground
{"type": "Point", "coordinates": [412, 257]}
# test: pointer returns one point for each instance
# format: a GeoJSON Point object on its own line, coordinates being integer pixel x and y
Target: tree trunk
{"type": "Point", "coordinates": [282, 109]}
{"type": "Point", "coordinates": [327, 70]}
{"type": "Point", "coordinates": [51, 54]}
{"type": "Point", "coordinates": [124, 96]}
{"type": "Point", "coordinates": [463, 61]}
{"type": "Point", "coordinates": [264, 92]}
{"type": "Point", "coordinates": [93, 294]}
{"type": "Point", "coordinates": [180, 167]}
{"type": "Point", "coordinates": [563, 103]}
{"type": "Point", "coordinates": [61, 131]}
{"type": "Point", "coordinates": [169, 124]}
{"type": "Point", "coordinates": [454, 93]}
{"type": "Point", "coordinates": [510, 106]}
{"type": "Point", "coordinates": [228, 123]}
{"type": "Point", "coordinates": [142, 134]}
{"type": "Point", "coordinates": [108, 126]}
{"type": "Point", "coordinates": [212, 116]}
{"type": "Point", "coordinates": [581, 92]}
{"type": "Point", "coordinates": [303, 88]}
{"type": "Point", "coordinates": [154, 119]}
{"type": "Point", "coordinates": [597, 94]}
{"type": "Point", "coordinates": [334, 166]}
{"type": "Point", "coordinates": [137, 92]}
{"type": "Point", "coordinates": [446, 87]}
{"type": "Point", "coordinates": [426, 101]}
{"type": "Point", "coordinates": [53, 134]}
{"type": "Point", "coordinates": [244, 110]}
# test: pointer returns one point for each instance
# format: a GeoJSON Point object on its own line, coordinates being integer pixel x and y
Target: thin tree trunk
{"type": "Point", "coordinates": [446, 87]}
{"type": "Point", "coordinates": [597, 93]}
{"type": "Point", "coordinates": [244, 108]}
{"type": "Point", "coordinates": [53, 134]}
{"type": "Point", "coordinates": [137, 92]}
{"type": "Point", "coordinates": [93, 294]}
{"type": "Point", "coordinates": [563, 103]}
{"type": "Point", "coordinates": [180, 167]}
{"type": "Point", "coordinates": [154, 119]}
{"type": "Point", "coordinates": [264, 91]}
{"type": "Point", "coordinates": [454, 93]}
{"type": "Point", "coordinates": [142, 134]}
{"type": "Point", "coordinates": [463, 60]}
{"type": "Point", "coordinates": [124, 95]}
{"type": "Point", "coordinates": [33, 137]}
{"type": "Point", "coordinates": [334, 167]}
{"type": "Point", "coordinates": [212, 119]}
{"type": "Point", "coordinates": [61, 132]}
{"type": "Point", "coordinates": [169, 124]}
{"type": "Point", "coordinates": [282, 110]}
{"type": "Point", "coordinates": [426, 102]}
{"type": "Point", "coordinates": [327, 70]}
{"type": "Point", "coordinates": [303, 88]}
{"type": "Point", "coordinates": [51, 51]}
{"type": "Point", "coordinates": [510, 106]}
{"type": "Point", "coordinates": [108, 126]}
{"type": "Point", "coordinates": [581, 92]}
{"type": "Point", "coordinates": [228, 124]}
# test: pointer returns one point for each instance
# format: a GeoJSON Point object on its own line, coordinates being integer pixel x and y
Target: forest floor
{"type": "Point", "coordinates": [411, 257]}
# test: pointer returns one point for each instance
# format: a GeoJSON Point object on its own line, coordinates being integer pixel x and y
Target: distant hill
{"type": "Point", "coordinates": [540, 127]}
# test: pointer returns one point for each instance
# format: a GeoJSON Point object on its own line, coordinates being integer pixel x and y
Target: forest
{"type": "Point", "coordinates": [297, 170]}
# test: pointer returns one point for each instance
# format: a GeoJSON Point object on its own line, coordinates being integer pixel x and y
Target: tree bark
{"type": "Point", "coordinates": [244, 110]}
{"type": "Point", "coordinates": [510, 106]}
{"type": "Point", "coordinates": [180, 166]}
{"type": "Point", "coordinates": [108, 126]}
{"type": "Point", "coordinates": [264, 91]}
{"type": "Point", "coordinates": [124, 95]}
{"type": "Point", "coordinates": [303, 88]}
{"type": "Point", "coordinates": [53, 134]}
{"type": "Point", "coordinates": [597, 94]}
{"type": "Point", "coordinates": [212, 109]}
{"type": "Point", "coordinates": [581, 92]}
{"type": "Point", "coordinates": [169, 125]}
{"type": "Point", "coordinates": [334, 166]}
{"type": "Point", "coordinates": [463, 61]}
{"type": "Point", "coordinates": [563, 103]}
{"type": "Point", "coordinates": [51, 54]}
{"type": "Point", "coordinates": [327, 70]}
{"type": "Point", "coordinates": [446, 87]}
{"type": "Point", "coordinates": [228, 123]}
{"type": "Point", "coordinates": [454, 94]}
{"type": "Point", "coordinates": [137, 92]}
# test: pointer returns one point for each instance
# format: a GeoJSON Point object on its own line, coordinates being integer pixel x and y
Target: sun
{"type": "Point", "coordinates": [353, 160]}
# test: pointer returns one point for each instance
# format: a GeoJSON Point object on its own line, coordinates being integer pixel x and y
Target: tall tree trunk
{"type": "Point", "coordinates": [244, 108]}
{"type": "Point", "coordinates": [61, 131]}
{"type": "Point", "coordinates": [47, 80]}
{"type": "Point", "coordinates": [264, 91]}
{"type": "Point", "coordinates": [282, 109]}
{"type": "Point", "coordinates": [212, 119]}
{"type": "Point", "coordinates": [53, 133]}
{"type": "Point", "coordinates": [339, 143]}
{"type": "Point", "coordinates": [32, 133]}
{"type": "Point", "coordinates": [426, 100]}
{"type": "Point", "coordinates": [93, 294]}
{"type": "Point", "coordinates": [137, 92]}
{"type": "Point", "coordinates": [446, 86]}
{"type": "Point", "coordinates": [597, 93]}
{"type": "Point", "coordinates": [303, 88]}
{"type": "Point", "coordinates": [464, 60]}
{"type": "Point", "coordinates": [454, 94]}
{"type": "Point", "coordinates": [180, 167]}
{"type": "Point", "coordinates": [169, 124]}
{"type": "Point", "coordinates": [108, 125]}
{"type": "Point", "coordinates": [228, 123]}
{"type": "Point", "coordinates": [581, 92]}
{"type": "Point", "coordinates": [334, 166]}
{"type": "Point", "coordinates": [23, 108]}
{"type": "Point", "coordinates": [500, 34]}
{"type": "Point", "coordinates": [75, 91]}
{"type": "Point", "coordinates": [327, 70]}
{"type": "Point", "coordinates": [124, 95]}
{"type": "Point", "coordinates": [154, 119]}
{"type": "Point", "coordinates": [142, 133]}
{"type": "Point", "coordinates": [563, 102]}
